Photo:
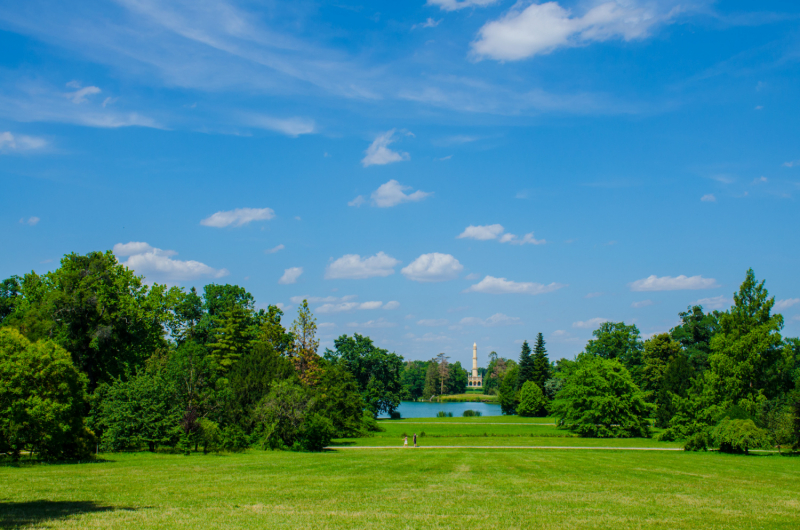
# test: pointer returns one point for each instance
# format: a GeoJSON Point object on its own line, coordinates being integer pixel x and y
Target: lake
{"type": "Point", "coordinates": [415, 409]}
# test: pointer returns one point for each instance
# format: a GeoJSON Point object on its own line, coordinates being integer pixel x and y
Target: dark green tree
{"type": "Point", "coordinates": [432, 380]}
{"type": "Point", "coordinates": [616, 340]}
{"type": "Point", "coordinates": [532, 402]}
{"type": "Point", "coordinates": [376, 371]}
{"type": "Point", "coordinates": [233, 338]}
{"type": "Point", "coordinates": [457, 379]}
{"type": "Point", "coordinates": [413, 379]}
{"type": "Point", "coordinates": [695, 333]}
{"type": "Point", "coordinates": [541, 364]}
{"type": "Point", "coordinates": [600, 400]}
{"type": "Point", "coordinates": [527, 370]}
{"type": "Point", "coordinates": [508, 393]}
{"type": "Point", "coordinates": [10, 295]}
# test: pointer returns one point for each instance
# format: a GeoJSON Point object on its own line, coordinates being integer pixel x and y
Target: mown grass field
{"type": "Point", "coordinates": [408, 488]}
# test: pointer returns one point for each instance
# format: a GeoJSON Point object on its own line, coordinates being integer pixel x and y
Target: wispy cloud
{"type": "Point", "coordinates": [709, 197]}
{"type": "Point", "coordinates": [498, 319]}
{"type": "Point", "coordinates": [495, 231]}
{"type": "Point", "coordinates": [293, 127]}
{"type": "Point", "coordinates": [379, 154]}
{"type": "Point", "coordinates": [30, 221]}
{"type": "Point", "coordinates": [391, 194]}
{"type": "Point", "coordinates": [238, 217]}
{"type": "Point", "coordinates": [780, 305]}
{"type": "Point", "coordinates": [429, 23]}
{"type": "Point", "coordinates": [290, 275]}
{"type": "Point", "coordinates": [643, 303]}
{"type": "Point", "coordinates": [592, 323]}
{"type": "Point", "coordinates": [275, 249]}
{"type": "Point", "coordinates": [372, 324]}
{"type": "Point", "coordinates": [716, 302]}
{"type": "Point", "coordinates": [19, 143]}
{"type": "Point", "coordinates": [493, 285]}
{"type": "Point", "coordinates": [677, 283]}
{"type": "Point", "coordinates": [455, 5]}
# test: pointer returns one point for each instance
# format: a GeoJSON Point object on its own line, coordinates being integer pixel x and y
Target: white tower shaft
{"type": "Point", "coordinates": [475, 360]}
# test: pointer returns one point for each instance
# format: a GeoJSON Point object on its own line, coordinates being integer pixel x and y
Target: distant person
{"type": "Point", "coordinates": [415, 439]}
{"type": "Point", "coordinates": [405, 441]}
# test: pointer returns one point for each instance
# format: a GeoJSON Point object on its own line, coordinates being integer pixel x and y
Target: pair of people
{"type": "Point", "coordinates": [405, 440]}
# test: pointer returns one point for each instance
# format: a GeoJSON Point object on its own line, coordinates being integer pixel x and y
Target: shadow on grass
{"type": "Point", "coordinates": [26, 462]}
{"type": "Point", "coordinates": [35, 513]}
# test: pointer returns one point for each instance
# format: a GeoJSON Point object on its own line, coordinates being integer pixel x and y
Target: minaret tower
{"type": "Point", "coordinates": [474, 360]}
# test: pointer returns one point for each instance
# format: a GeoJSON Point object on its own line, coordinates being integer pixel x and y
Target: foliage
{"type": "Point", "coordinates": [738, 436]}
{"type": "Point", "coordinates": [469, 413]}
{"type": "Point", "coordinates": [541, 364]}
{"type": "Point", "coordinates": [232, 338]}
{"type": "Point", "coordinates": [139, 411]}
{"type": "Point", "coordinates": [508, 394]}
{"type": "Point", "coordinates": [42, 399]}
{"type": "Point", "coordinates": [413, 379]}
{"type": "Point", "coordinates": [304, 351]}
{"type": "Point", "coordinates": [695, 333]}
{"type": "Point", "coordinates": [281, 414]}
{"type": "Point", "coordinates": [616, 340]}
{"type": "Point", "coordinates": [525, 372]}
{"type": "Point", "coordinates": [376, 371]}
{"type": "Point", "coordinates": [600, 399]}
{"type": "Point", "coordinates": [10, 295]}
{"type": "Point", "coordinates": [699, 441]}
{"type": "Point", "coordinates": [338, 401]}
{"type": "Point", "coordinates": [443, 414]}
{"type": "Point", "coordinates": [532, 402]}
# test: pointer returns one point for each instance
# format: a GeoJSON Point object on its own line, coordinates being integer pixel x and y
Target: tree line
{"type": "Point", "coordinates": [93, 358]}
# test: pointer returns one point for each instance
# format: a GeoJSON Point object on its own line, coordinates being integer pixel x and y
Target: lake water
{"type": "Point", "coordinates": [415, 409]}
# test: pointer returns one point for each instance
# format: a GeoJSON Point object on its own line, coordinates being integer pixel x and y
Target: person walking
{"type": "Point", "coordinates": [405, 441]}
{"type": "Point", "coordinates": [415, 439]}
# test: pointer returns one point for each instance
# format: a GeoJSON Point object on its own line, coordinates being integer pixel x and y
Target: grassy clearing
{"type": "Point", "coordinates": [408, 489]}
{"type": "Point", "coordinates": [481, 419]}
{"type": "Point", "coordinates": [468, 397]}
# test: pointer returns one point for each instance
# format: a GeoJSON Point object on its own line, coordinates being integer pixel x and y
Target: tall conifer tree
{"type": "Point", "coordinates": [526, 367]}
{"type": "Point", "coordinates": [541, 364]}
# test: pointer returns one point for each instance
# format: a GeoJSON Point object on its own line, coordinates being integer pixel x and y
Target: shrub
{"type": "Point", "coordinates": [531, 401]}
{"type": "Point", "coordinates": [209, 435]}
{"type": "Point", "coordinates": [394, 415]}
{"type": "Point", "coordinates": [471, 413]}
{"type": "Point", "coordinates": [316, 433]}
{"type": "Point", "coordinates": [233, 438]}
{"type": "Point", "coordinates": [443, 414]}
{"type": "Point", "coordinates": [697, 442]}
{"type": "Point", "coordinates": [739, 436]}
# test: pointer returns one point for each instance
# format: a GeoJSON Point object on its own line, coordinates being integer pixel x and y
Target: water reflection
{"type": "Point", "coordinates": [414, 409]}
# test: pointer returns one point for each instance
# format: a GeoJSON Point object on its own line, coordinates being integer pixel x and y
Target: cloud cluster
{"type": "Point", "coordinates": [11, 143]}
{"type": "Point", "coordinates": [343, 307]}
{"type": "Point", "coordinates": [290, 275]}
{"type": "Point", "coordinates": [495, 231]}
{"type": "Point", "coordinates": [433, 267]}
{"type": "Point", "coordinates": [528, 28]}
{"type": "Point", "coordinates": [379, 154]}
{"type": "Point", "coordinates": [292, 127]}
{"type": "Point", "coordinates": [678, 283]}
{"type": "Point", "coordinates": [238, 217]}
{"type": "Point", "coordinates": [354, 267]}
{"type": "Point", "coordinates": [493, 285]}
{"type": "Point", "coordinates": [780, 305]}
{"type": "Point", "coordinates": [498, 319]}
{"type": "Point", "coordinates": [157, 265]}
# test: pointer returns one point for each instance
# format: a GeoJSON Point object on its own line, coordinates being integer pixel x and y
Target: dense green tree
{"type": "Point", "coordinates": [432, 380]}
{"type": "Point", "coordinates": [695, 333]}
{"type": "Point", "coordinates": [42, 400]}
{"type": "Point", "coordinates": [99, 311]}
{"type": "Point", "coordinates": [413, 379]}
{"type": "Point", "coordinates": [532, 402]}
{"type": "Point", "coordinates": [675, 385]}
{"type": "Point", "coordinates": [288, 421]}
{"type": "Point", "coordinates": [457, 379]}
{"type": "Point", "coordinates": [616, 340]}
{"type": "Point", "coordinates": [139, 411]}
{"type": "Point", "coordinates": [495, 372]}
{"type": "Point", "coordinates": [659, 351]}
{"type": "Point", "coordinates": [270, 330]}
{"type": "Point", "coordinates": [233, 338]}
{"type": "Point", "coordinates": [10, 295]}
{"type": "Point", "coordinates": [599, 399]}
{"type": "Point", "coordinates": [527, 371]}
{"type": "Point", "coordinates": [508, 393]}
{"type": "Point", "coordinates": [338, 399]}
{"type": "Point", "coordinates": [541, 364]}
{"type": "Point", "coordinates": [376, 371]}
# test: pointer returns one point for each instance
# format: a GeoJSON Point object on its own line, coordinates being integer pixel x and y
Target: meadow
{"type": "Point", "coordinates": [413, 488]}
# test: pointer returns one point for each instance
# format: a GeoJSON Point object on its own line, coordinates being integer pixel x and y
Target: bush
{"type": "Point", "coordinates": [739, 436]}
{"type": "Point", "coordinates": [599, 399]}
{"type": "Point", "coordinates": [233, 438]}
{"type": "Point", "coordinates": [471, 413]}
{"type": "Point", "coordinates": [316, 433]}
{"type": "Point", "coordinates": [394, 415]}
{"type": "Point", "coordinates": [209, 435]}
{"type": "Point", "coordinates": [531, 401]}
{"type": "Point", "coordinates": [443, 414]}
{"type": "Point", "coordinates": [697, 442]}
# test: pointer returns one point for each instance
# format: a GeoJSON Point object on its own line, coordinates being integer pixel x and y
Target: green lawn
{"type": "Point", "coordinates": [407, 488]}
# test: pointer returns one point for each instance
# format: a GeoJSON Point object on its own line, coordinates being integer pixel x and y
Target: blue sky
{"type": "Point", "coordinates": [429, 174]}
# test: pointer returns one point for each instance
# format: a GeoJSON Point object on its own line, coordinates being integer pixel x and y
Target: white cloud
{"type": "Point", "coordinates": [527, 239]}
{"type": "Point", "coordinates": [157, 264]}
{"type": "Point", "coordinates": [493, 285]}
{"type": "Point", "coordinates": [454, 5]}
{"type": "Point", "coordinates": [343, 307]}
{"type": "Point", "coordinates": [708, 198]}
{"type": "Point", "coordinates": [321, 299]}
{"type": "Point", "coordinates": [678, 283]}
{"type": "Point", "coordinates": [19, 143]}
{"type": "Point", "coordinates": [760, 180]}
{"type": "Point", "coordinates": [379, 323]}
{"type": "Point", "coordinates": [273, 250]}
{"type": "Point", "coordinates": [392, 194]}
{"type": "Point", "coordinates": [290, 275]}
{"type": "Point", "coordinates": [394, 304]}
{"type": "Point", "coordinates": [791, 163]}
{"type": "Point", "coordinates": [31, 221]}
{"type": "Point", "coordinates": [589, 324]}
{"type": "Point", "coordinates": [353, 266]}
{"type": "Point", "coordinates": [434, 267]}
{"type": "Point", "coordinates": [780, 305]}
{"type": "Point", "coordinates": [433, 322]}
{"type": "Point", "coordinates": [716, 302]}
{"type": "Point", "coordinates": [643, 303]}
{"type": "Point", "coordinates": [238, 217]}
{"type": "Point", "coordinates": [481, 232]}
{"type": "Point", "coordinates": [293, 127]}
{"type": "Point", "coordinates": [79, 96]}
{"type": "Point", "coordinates": [379, 154]}
{"type": "Point", "coordinates": [358, 201]}
{"type": "Point", "coordinates": [498, 319]}
{"type": "Point", "coordinates": [325, 325]}
{"type": "Point", "coordinates": [528, 29]}
{"type": "Point", "coordinates": [472, 276]}
{"type": "Point", "coordinates": [430, 23]}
